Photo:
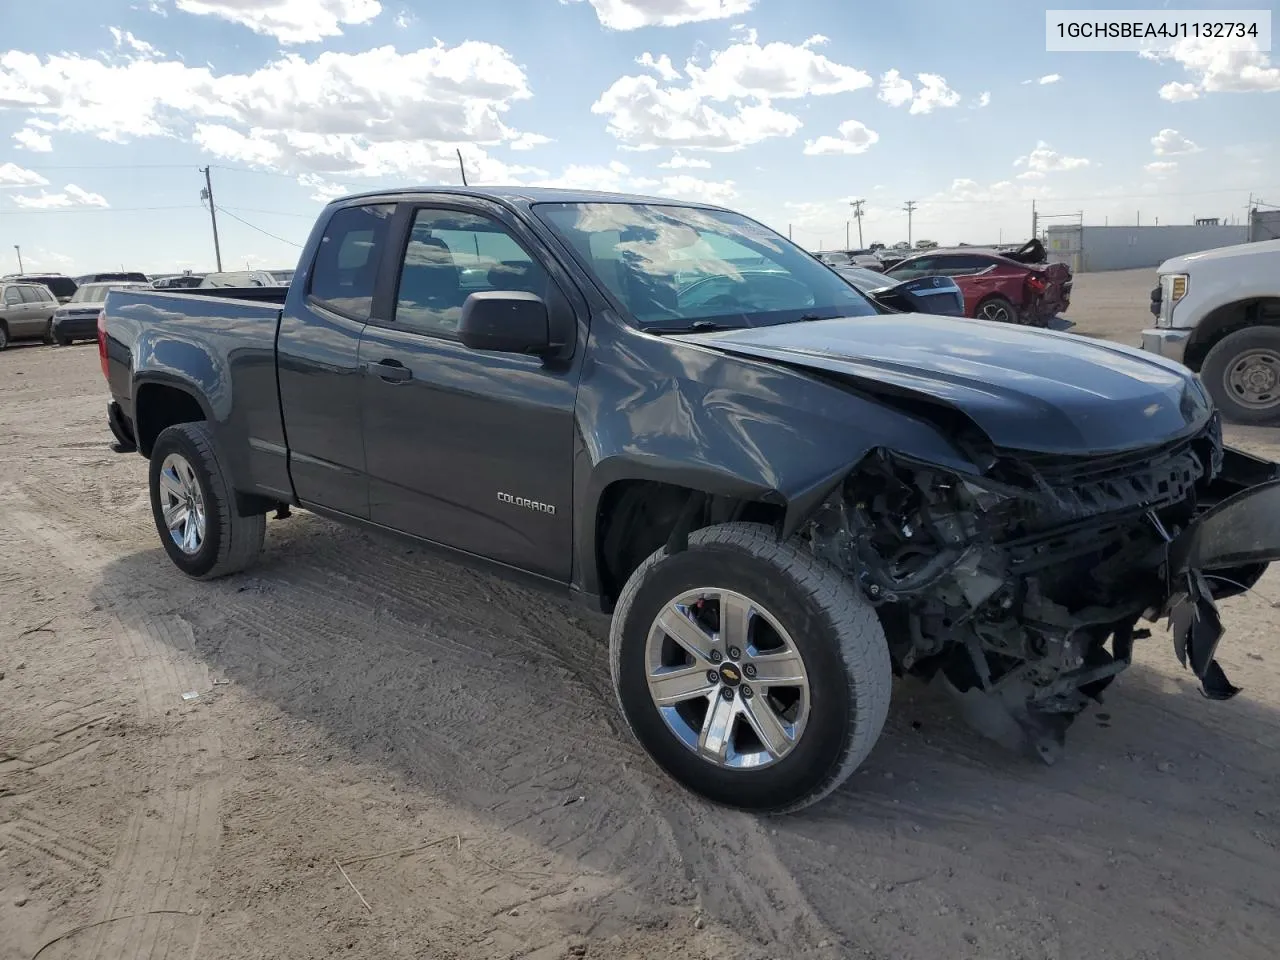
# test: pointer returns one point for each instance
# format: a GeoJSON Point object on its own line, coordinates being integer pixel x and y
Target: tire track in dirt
{"type": "Point", "coordinates": [169, 840]}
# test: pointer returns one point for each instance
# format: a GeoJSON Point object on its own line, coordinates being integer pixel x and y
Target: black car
{"type": "Point", "coordinates": [781, 495]}
{"type": "Point", "coordinates": [78, 319]}
{"type": "Point", "coordinates": [937, 295]}
{"type": "Point", "coordinates": [120, 276]}
{"type": "Point", "coordinates": [60, 286]}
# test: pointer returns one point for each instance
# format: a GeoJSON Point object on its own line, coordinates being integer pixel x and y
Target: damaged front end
{"type": "Point", "coordinates": [1023, 584]}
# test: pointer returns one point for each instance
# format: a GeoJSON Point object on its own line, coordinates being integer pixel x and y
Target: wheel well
{"type": "Point", "coordinates": [1226, 320]}
{"type": "Point", "coordinates": [636, 517]}
{"type": "Point", "coordinates": [158, 406]}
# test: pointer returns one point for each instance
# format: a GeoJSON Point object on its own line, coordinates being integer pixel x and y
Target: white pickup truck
{"type": "Point", "coordinates": [1218, 312]}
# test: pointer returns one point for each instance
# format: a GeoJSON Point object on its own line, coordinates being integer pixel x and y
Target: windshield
{"type": "Point", "coordinates": [61, 286]}
{"type": "Point", "coordinates": [97, 292]}
{"type": "Point", "coordinates": [282, 276]}
{"type": "Point", "coordinates": [675, 267]}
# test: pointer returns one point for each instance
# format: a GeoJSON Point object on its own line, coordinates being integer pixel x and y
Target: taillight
{"type": "Point", "coordinates": [1036, 285]}
{"type": "Point", "coordinates": [102, 341]}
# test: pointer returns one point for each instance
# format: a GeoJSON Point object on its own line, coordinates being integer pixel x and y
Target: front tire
{"type": "Point", "coordinates": [752, 672]}
{"type": "Point", "coordinates": [1242, 374]}
{"type": "Point", "coordinates": [194, 507]}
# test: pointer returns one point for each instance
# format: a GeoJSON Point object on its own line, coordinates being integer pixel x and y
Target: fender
{"type": "Point", "coordinates": [724, 425]}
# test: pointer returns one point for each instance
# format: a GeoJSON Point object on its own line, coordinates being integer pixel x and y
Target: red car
{"type": "Point", "coordinates": [1015, 287]}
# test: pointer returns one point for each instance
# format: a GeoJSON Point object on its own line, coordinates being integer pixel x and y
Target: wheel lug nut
{"type": "Point", "coordinates": [750, 670]}
{"type": "Point", "coordinates": [747, 693]}
{"type": "Point", "coordinates": [727, 693]}
{"type": "Point", "coordinates": [713, 677]}
{"type": "Point", "coordinates": [734, 653]}
{"type": "Point", "coordinates": [716, 656]}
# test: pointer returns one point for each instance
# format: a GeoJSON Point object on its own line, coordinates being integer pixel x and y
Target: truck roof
{"type": "Point", "coordinates": [517, 194]}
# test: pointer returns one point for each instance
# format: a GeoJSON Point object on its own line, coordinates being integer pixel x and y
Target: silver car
{"type": "Point", "coordinates": [26, 312]}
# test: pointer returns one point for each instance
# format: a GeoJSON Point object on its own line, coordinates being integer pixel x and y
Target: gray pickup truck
{"type": "Point", "coordinates": [782, 494]}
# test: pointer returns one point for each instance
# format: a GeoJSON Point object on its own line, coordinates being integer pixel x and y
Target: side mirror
{"type": "Point", "coordinates": [505, 321]}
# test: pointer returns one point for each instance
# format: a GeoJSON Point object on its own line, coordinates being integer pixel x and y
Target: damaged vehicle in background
{"type": "Point", "coordinates": [1018, 286]}
{"type": "Point", "coordinates": [939, 295]}
{"type": "Point", "coordinates": [782, 496]}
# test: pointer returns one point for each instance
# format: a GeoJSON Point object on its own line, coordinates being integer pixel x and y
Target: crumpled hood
{"type": "Point", "coordinates": [1027, 389]}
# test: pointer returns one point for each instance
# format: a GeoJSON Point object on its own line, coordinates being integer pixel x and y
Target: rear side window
{"type": "Point", "coordinates": [29, 294]}
{"type": "Point", "coordinates": [958, 266]}
{"type": "Point", "coordinates": [346, 267]}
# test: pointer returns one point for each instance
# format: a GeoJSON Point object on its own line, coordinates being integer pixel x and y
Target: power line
{"type": "Point", "coordinates": [259, 229]}
{"type": "Point", "coordinates": [43, 211]}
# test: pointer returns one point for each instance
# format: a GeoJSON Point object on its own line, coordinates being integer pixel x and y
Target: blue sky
{"type": "Point", "coordinates": [786, 109]}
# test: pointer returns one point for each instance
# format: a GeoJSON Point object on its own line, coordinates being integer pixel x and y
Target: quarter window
{"type": "Point", "coordinates": [11, 296]}
{"type": "Point", "coordinates": [346, 267]}
{"type": "Point", "coordinates": [451, 255]}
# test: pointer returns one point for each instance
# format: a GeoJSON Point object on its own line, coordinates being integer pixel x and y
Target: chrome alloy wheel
{"type": "Point", "coordinates": [727, 679]}
{"type": "Point", "coordinates": [182, 503]}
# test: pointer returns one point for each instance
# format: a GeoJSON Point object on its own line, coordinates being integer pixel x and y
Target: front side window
{"type": "Point", "coordinates": [29, 294]}
{"type": "Point", "coordinates": [672, 266]}
{"type": "Point", "coordinates": [346, 268]}
{"type": "Point", "coordinates": [452, 255]}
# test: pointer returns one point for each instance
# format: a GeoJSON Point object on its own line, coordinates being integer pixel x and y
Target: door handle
{"type": "Point", "coordinates": [392, 371]}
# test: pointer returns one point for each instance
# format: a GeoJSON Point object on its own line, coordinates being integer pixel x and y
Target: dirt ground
{"type": "Point", "coordinates": [181, 764]}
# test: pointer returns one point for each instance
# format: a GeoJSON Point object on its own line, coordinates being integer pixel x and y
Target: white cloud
{"type": "Point", "coordinates": [71, 196]}
{"type": "Point", "coordinates": [12, 175]}
{"type": "Point", "coordinates": [984, 100]}
{"type": "Point", "coordinates": [527, 141]}
{"type": "Point", "coordinates": [321, 189]}
{"type": "Point", "coordinates": [1170, 143]}
{"type": "Point", "coordinates": [633, 14]}
{"type": "Point", "coordinates": [896, 90]}
{"type": "Point", "coordinates": [123, 38]}
{"type": "Point", "coordinates": [685, 187]}
{"type": "Point", "coordinates": [403, 19]}
{"type": "Point", "coordinates": [933, 92]}
{"type": "Point", "coordinates": [288, 21]}
{"type": "Point", "coordinates": [1176, 92]}
{"type": "Point", "coordinates": [1049, 78]}
{"type": "Point", "coordinates": [1030, 175]}
{"type": "Point", "coordinates": [1161, 168]}
{"type": "Point", "coordinates": [855, 137]}
{"type": "Point", "coordinates": [645, 114]}
{"type": "Point", "coordinates": [617, 177]}
{"type": "Point", "coordinates": [679, 162]}
{"type": "Point", "coordinates": [369, 113]}
{"type": "Point", "coordinates": [1044, 159]}
{"type": "Point", "coordinates": [662, 66]}
{"type": "Point", "coordinates": [31, 139]}
{"type": "Point", "coordinates": [1216, 69]}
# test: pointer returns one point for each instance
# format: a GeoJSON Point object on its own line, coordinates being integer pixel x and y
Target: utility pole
{"type": "Point", "coordinates": [207, 194]}
{"type": "Point", "coordinates": [857, 213]}
{"type": "Point", "coordinates": [461, 168]}
{"type": "Point", "coordinates": [910, 207]}
{"type": "Point", "coordinates": [846, 234]}
{"type": "Point", "coordinates": [1035, 221]}
{"type": "Point", "coordinates": [19, 249]}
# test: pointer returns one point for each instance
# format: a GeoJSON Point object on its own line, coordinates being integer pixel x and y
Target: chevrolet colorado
{"type": "Point", "coordinates": [782, 496]}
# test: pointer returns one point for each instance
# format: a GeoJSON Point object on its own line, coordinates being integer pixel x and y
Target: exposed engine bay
{"type": "Point", "coordinates": [1021, 587]}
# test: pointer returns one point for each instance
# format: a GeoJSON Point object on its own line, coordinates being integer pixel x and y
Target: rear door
{"type": "Point", "coordinates": [472, 450]}
{"type": "Point", "coordinates": [34, 317]}
{"type": "Point", "coordinates": [318, 361]}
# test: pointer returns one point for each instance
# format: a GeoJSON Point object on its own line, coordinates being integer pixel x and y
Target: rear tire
{"type": "Point", "coordinates": [830, 636]}
{"type": "Point", "coordinates": [1242, 374]}
{"type": "Point", "coordinates": [62, 341]}
{"type": "Point", "coordinates": [4, 335]}
{"type": "Point", "coordinates": [997, 309]}
{"type": "Point", "coordinates": [188, 481]}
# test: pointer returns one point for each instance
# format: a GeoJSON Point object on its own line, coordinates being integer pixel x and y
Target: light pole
{"type": "Point", "coordinates": [910, 208]}
{"type": "Point", "coordinates": [19, 250]}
